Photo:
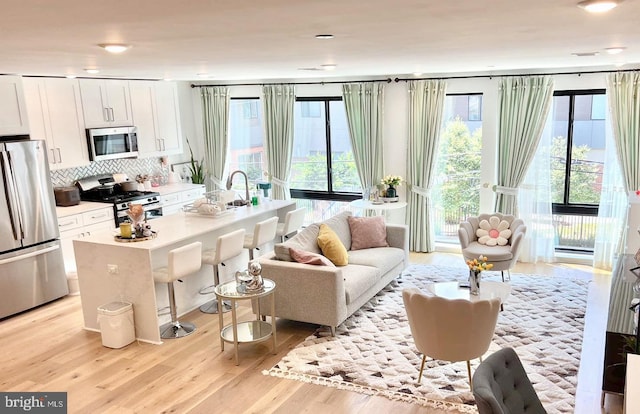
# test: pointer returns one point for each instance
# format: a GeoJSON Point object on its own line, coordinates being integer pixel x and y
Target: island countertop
{"type": "Point", "coordinates": [113, 271]}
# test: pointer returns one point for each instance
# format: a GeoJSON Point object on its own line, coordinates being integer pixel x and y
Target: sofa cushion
{"type": "Point", "coordinates": [306, 239]}
{"type": "Point", "coordinates": [493, 253]}
{"type": "Point", "coordinates": [302, 256]}
{"type": "Point", "coordinates": [383, 258]}
{"type": "Point", "coordinates": [331, 246]}
{"type": "Point", "coordinates": [340, 226]}
{"type": "Point", "coordinates": [367, 232]}
{"type": "Point", "coordinates": [493, 231]}
{"type": "Point", "coordinates": [358, 280]}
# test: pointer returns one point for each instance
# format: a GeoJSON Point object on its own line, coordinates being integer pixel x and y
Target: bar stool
{"type": "Point", "coordinates": [227, 246]}
{"type": "Point", "coordinates": [263, 232]}
{"type": "Point", "coordinates": [183, 261]}
{"type": "Point", "coordinates": [293, 221]}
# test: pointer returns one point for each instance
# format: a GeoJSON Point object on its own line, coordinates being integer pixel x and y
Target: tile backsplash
{"type": "Point", "coordinates": [131, 167]}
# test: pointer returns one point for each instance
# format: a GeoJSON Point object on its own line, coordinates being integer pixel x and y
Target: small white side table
{"type": "Point", "coordinates": [632, 385]}
{"type": "Point", "coordinates": [249, 331]}
{"type": "Point", "coordinates": [488, 290]}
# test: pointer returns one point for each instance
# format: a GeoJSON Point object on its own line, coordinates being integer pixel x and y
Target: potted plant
{"type": "Point", "coordinates": [197, 171]}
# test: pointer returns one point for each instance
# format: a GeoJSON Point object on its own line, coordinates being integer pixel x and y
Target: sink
{"type": "Point", "coordinates": [238, 203]}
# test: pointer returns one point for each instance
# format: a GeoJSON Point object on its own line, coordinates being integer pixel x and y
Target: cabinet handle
{"type": "Point", "coordinates": [69, 223]}
{"type": "Point", "coordinates": [105, 114]}
{"type": "Point", "coordinates": [164, 148]}
{"type": "Point", "coordinates": [158, 145]}
{"type": "Point", "coordinates": [53, 156]}
{"type": "Point", "coordinates": [100, 216]}
{"type": "Point", "coordinates": [113, 118]}
{"type": "Point", "coordinates": [59, 155]}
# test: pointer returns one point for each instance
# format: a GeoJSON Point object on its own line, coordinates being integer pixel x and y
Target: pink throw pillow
{"type": "Point", "coordinates": [367, 232]}
{"type": "Point", "coordinates": [302, 256]}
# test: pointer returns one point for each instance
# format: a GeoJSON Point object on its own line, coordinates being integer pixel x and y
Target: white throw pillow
{"type": "Point", "coordinates": [493, 232]}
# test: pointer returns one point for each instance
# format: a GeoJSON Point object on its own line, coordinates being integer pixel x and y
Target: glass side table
{"type": "Point", "coordinates": [248, 331]}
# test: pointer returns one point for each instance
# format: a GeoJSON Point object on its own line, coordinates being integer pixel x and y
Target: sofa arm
{"type": "Point", "coordinates": [306, 293]}
{"type": "Point", "coordinates": [398, 236]}
{"type": "Point", "coordinates": [465, 234]}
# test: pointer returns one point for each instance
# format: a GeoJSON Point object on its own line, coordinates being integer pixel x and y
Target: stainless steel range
{"type": "Point", "coordinates": [104, 189]}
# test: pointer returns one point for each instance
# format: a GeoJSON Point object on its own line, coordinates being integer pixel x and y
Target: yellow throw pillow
{"type": "Point", "coordinates": [331, 246]}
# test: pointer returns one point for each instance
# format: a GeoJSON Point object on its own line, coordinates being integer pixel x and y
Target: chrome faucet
{"type": "Point", "coordinates": [246, 184]}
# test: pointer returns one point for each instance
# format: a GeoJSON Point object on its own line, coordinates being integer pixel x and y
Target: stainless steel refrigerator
{"type": "Point", "coordinates": [31, 265]}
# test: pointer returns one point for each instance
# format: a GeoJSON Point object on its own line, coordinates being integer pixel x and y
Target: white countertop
{"type": "Point", "coordinates": [174, 188]}
{"type": "Point", "coordinates": [181, 226]}
{"type": "Point", "coordinates": [83, 207]}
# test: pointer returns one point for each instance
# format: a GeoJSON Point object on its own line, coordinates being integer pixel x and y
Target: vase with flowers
{"type": "Point", "coordinates": [476, 266]}
{"type": "Point", "coordinates": [391, 181]}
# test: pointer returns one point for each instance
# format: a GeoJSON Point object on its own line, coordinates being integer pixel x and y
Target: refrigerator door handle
{"type": "Point", "coordinates": [9, 186]}
{"type": "Point", "coordinates": [30, 254]}
{"type": "Point", "coordinates": [15, 195]}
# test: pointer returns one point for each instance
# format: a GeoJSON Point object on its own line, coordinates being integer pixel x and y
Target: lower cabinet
{"type": "Point", "coordinates": [80, 225]}
{"type": "Point", "coordinates": [173, 203]}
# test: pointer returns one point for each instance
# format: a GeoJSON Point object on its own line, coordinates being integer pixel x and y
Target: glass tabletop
{"type": "Point", "coordinates": [488, 290]}
{"type": "Point", "coordinates": [229, 290]}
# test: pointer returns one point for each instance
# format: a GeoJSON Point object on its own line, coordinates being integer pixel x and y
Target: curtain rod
{"type": "Point", "coordinates": [388, 80]}
{"type": "Point", "coordinates": [516, 75]}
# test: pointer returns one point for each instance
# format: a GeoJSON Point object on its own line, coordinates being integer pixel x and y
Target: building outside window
{"type": "Point", "coordinates": [324, 177]}
{"type": "Point", "coordinates": [456, 192]}
{"type": "Point", "coordinates": [577, 160]}
{"type": "Point", "coordinates": [246, 138]}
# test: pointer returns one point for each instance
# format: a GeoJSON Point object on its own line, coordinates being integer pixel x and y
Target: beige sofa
{"type": "Point", "coordinates": [327, 295]}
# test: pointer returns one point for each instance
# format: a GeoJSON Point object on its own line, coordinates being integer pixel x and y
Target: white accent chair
{"type": "Point", "coordinates": [293, 221]}
{"type": "Point", "coordinates": [228, 246]}
{"type": "Point", "coordinates": [450, 329]}
{"type": "Point", "coordinates": [183, 261]}
{"type": "Point", "coordinates": [263, 232]}
{"type": "Point", "coordinates": [501, 257]}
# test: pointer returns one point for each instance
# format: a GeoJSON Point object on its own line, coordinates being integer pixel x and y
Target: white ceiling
{"type": "Point", "coordinates": [273, 39]}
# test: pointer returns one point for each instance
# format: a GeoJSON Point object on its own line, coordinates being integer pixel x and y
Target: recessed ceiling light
{"type": "Point", "coordinates": [328, 66]}
{"type": "Point", "coordinates": [70, 76]}
{"type": "Point", "coordinates": [615, 50]}
{"type": "Point", "coordinates": [92, 70]}
{"type": "Point", "coordinates": [598, 6]}
{"type": "Point", "coordinates": [203, 75]}
{"type": "Point", "coordinates": [166, 79]}
{"type": "Point", "coordinates": [417, 73]}
{"type": "Point", "coordinates": [324, 36]}
{"type": "Point", "coordinates": [114, 47]}
{"type": "Point", "coordinates": [310, 69]}
{"type": "Point", "coordinates": [585, 54]}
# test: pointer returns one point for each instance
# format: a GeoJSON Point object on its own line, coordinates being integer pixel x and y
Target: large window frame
{"type": "Point", "coordinates": [567, 207]}
{"type": "Point", "coordinates": [330, 194]}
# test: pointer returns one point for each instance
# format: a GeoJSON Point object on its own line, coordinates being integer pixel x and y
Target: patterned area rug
{"type": "Point", "coordinates": [373, 351]}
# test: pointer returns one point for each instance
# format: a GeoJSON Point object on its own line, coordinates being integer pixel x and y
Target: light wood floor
{"type": "Point", "coordinates": [46, 349]}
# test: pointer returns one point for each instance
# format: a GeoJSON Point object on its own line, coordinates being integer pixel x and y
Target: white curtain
{"type": "Point", "coordinates": [215, 123]}
{"type": "Point", "coordinates": [612, 211]}
{"type": "Point", "coordinates": [534, 202]}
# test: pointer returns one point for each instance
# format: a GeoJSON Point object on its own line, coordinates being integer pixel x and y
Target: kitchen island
{"type": "Point", "coordinates": [109, 270]}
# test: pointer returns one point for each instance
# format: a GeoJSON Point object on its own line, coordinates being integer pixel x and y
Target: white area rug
{"type": "Point", "coordinates": [373, 351]}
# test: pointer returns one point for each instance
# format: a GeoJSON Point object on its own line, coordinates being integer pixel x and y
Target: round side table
{"type": "Point", "coordinates": [247, 331]}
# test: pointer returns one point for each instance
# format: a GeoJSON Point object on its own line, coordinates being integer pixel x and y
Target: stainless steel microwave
{"type": "Point", "coordinates": [112, 143]}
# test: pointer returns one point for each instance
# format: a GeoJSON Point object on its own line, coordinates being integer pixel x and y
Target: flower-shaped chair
{"type": "Point", "coordinates": [496, 236]}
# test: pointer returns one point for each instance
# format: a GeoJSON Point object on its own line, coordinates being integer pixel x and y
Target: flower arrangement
{"type": "Point", "coordinates": [392, 180]}
{"type": "Point", "coordinates": [479, 264]}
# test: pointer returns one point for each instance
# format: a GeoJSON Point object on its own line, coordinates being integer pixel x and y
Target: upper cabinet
{"type": "Point", "coordinates": [156, 114]}
{"type": "Point", "coordinates": [105, 102]}
{"type": "Point", "coordinates": [55, 115]}
{"type": "Point", "coordinates": [13, 115]}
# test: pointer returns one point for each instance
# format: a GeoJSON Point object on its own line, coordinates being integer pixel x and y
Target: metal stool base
{"type": "Point", "coordinates": [177, 329]}
{"type": "Point", "coordinates": [211, 307]}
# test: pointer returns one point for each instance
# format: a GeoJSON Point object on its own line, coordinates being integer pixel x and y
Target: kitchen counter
{"type": "Point", "coordinates": [83, 207]}
{"type": "Point", "coordinates": [175, 188]}
{"type": "Point", "coordinates": [111, 271]}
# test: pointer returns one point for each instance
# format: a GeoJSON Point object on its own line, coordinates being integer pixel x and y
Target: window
{"type": "Point", "coordinates": [456, 191]}
{"type": "Point", "coordinates": [322, 166]}
{"type": "Point", "coordinates": [576, 166]}
{"type": "Point", "coordinates": [246, 141]}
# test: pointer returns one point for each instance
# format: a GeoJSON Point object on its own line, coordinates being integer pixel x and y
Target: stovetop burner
{"type": "Point", "coordinates": [117, 197]}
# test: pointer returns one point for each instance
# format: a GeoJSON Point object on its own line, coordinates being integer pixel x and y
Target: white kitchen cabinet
{"type": "Point", "coordinates": [173, 203]}
{"type": "Point", "coordinates": [55, 115]}
{"type": "Point", "coordinates": [76, 226]}
{"type": "Point", "coordinates": [106, 102]}
{"type": "Point", "coordinates": [13, 114]}
{"type": "Point", "coordinates": [156, 115]}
